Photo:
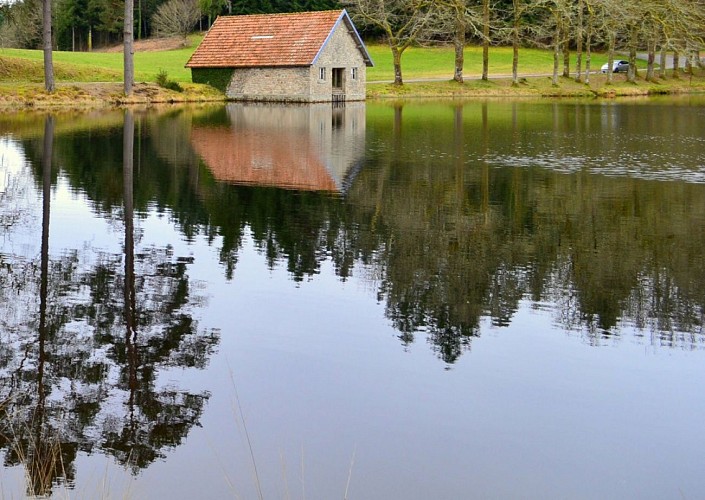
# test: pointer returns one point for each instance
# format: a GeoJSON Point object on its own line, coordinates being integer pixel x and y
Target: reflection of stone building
{"type": "Point", "coordinates": [313, 147]}
{"type": "Point", "coordinates": [297, 57]}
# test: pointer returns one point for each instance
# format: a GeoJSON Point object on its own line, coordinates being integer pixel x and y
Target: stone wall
{"type": "Point", "coordinates": [285, 84]}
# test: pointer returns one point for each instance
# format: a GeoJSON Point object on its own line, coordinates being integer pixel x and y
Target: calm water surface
{"type": "Point", "coordinates": [382, 301]}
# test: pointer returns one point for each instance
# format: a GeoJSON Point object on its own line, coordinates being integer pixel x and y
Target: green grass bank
{"type": "Point", "coordinates": [93, 79]}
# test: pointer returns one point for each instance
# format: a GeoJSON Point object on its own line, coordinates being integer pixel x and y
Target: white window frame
{"type": "Point", "coordinates": [353, 73]}
{"type": "Point", "coordinates": [322, 74]}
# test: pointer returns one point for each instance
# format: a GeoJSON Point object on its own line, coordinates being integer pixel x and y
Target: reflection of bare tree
{"type": "Point", "coordinates": [80, 371]}
{"type": "Point", "coordinates": [30, 425]}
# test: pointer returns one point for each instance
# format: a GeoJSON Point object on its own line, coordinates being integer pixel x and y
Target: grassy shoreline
{"type": "Point", "coordinates": [91, 80]}
{"type": "Point", "coordinates": [110, 94]}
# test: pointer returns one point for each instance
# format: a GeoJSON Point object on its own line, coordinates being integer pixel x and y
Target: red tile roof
{"type": "Point", "coordinates": [267, 40]}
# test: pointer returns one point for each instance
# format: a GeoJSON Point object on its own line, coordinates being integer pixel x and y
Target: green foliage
{"type": "Point", "coordinates": [218, 78]}
{"type": "Point", "coordinates": [163, 81]}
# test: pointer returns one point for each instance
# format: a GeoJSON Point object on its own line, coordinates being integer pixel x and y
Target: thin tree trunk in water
{"type": "Point", "coordinates": [128, 143]}
{"type": "Point", "coordinates": [128, 48]}
{"type": "Point", "coordinates": [47, 46]}
{"type": "Point", "coordinates": [459, 43]}
{"type": "Point", "coordinates": [46, 211]}
{"type": "Point", "coordinates": [485, 39]}
{"type": "Point", "coordinates": [579, 43]}
{"type": "Point", "coordinates": [41, 467]}
{"type": "Point", "coordinates": [396, 56]}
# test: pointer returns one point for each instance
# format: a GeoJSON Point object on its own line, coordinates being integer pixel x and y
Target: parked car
{"type": "Point", "coordinates": [617, 67]}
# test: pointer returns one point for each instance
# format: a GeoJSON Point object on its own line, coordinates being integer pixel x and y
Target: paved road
{"type": "Point", "coordinates": [669, 59]}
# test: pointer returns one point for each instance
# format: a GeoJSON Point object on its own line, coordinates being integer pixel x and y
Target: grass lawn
{"type": "Point", "coordinates": [438, 62]}
{"type": "Point", "coordinates": [109, 64]}
{"type": "Point", "coordinates": [417, 63]}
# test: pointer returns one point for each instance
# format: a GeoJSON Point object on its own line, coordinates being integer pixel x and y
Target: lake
{"type": "Point", "coordinates": [390, 300]}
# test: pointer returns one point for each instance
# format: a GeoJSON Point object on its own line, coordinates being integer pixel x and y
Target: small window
{"type": "Point", "coordinates": [353, 73]}
{"type": "Point", "coordinates": [322, 74]}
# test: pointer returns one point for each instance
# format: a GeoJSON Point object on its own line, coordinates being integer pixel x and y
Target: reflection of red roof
{"type": "Point", "coordinates": [285, 159]}
{"type": "Point", "coordinates": [265, 40]}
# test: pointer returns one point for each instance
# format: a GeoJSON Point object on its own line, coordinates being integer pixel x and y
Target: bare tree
{"type": "Point", "coordinates": [453, 19]}
{"type": "Point", "coordinates": [128, 47]}
{"type": "Point", "coordinates": [401, 21]}
{"type": "Point", "coordinates": [176, 17]}
{"type": "Point", "coordinates": [521, 30]}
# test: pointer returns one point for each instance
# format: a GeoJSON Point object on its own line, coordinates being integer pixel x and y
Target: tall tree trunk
{"type": "Point", "coordinates": [632, 72]}
{"type": "Point", "coordinates": [650, 60]}
{"type": "Point", "coordinates": [515, 43]}
{"type": "Point", "coordinates": [579, 43]}
{"type": "Point", "coordinates": [396, 56]}
{"type": "Point", "coordinates": [47, 44]}
{"type": "Point", "coordinates": [566, 59]}
{"type": "Point", "coordinates": [662, 62]}
{"type": "Point", "coordinates": [588, 50]}
{"type": "Point", "coordinates": [688, 61]}
{"type": "Point", "coordinates": [610, 57]}
{"type": "Point", "coordinates": [459, 42]}
{"type": "Point", "coordinates": [556, 54]}
{"type": "Point", "coordinates": [128, 47]}
{"type": "Point", "coordinates": [485, 39]}
{"type": "Point", "coordinates": [676, 64]}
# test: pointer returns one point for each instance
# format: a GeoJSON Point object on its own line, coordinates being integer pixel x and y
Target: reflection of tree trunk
{"type": "Point", "coordinates": [485, 166]}
{"type": "Point", "coordinates": [459, 143]}
{"type": "Point", "coordinates": [396, 131]}
{"type": "Point", "coordinates": [41, 464]}
{"type": "Point", "coordinates": [130, 300]}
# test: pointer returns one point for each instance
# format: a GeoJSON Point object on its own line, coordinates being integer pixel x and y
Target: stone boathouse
{"type": "Point", "coordinates": [297, 57]}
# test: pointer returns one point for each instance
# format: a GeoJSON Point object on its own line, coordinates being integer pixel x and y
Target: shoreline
{"type": "Point", "coordinates": [78, 96]}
